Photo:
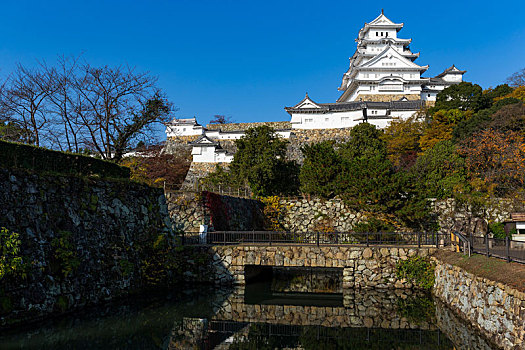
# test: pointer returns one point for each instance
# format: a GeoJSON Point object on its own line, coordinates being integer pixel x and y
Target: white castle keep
{"type": "Point", "coordinates": [382, 83]}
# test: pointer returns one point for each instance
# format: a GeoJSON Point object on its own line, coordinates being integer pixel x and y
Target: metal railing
{"type": "Point", "coordinates": [460, 243]}
{"type": "Point", "coordinates": [502, 248]}
{"type": "Point", "coordinates": [319, 238]}
{"type": "Point", "coordinates": [507, 249]}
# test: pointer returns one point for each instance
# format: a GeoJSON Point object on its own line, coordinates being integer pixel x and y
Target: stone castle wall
{"type": "Point", "coordinates": [82, 239]}
{"type": "Point", "coordinates": [190, 210]}
{"type": "Point", "coordinates": [245, 126]}
{"type": "Point", "coordinates": [462, 333]}
{"type": "Point", "coordinates": [176, 144]}
{"type": "Point", "coordinates": [497, 310]}
{"type": "Point", "coordinates": [302, 137]}
{"type": "Point", "coordinates": [198, 171]}
{"type": "Point", "coordinates": [455, 216]}
{"type": "Point", "coordinates": [303, 215]}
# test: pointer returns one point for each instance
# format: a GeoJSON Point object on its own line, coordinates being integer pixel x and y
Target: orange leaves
{"type": "Point", "coordinates": [441, 127]}
{"type": "Point", "coordinates": [496, 161]}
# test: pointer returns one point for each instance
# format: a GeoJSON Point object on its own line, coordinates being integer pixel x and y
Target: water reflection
{"type": "Point", "coordinates": [258, 317]}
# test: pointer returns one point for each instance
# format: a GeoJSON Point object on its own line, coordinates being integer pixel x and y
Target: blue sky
{"type": "Point", "coordinates": [249, 59]}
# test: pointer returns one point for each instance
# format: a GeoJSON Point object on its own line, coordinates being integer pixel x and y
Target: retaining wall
{"type": "Point", "coordinates": [190, 210]}
{"type": "Point", "coordinates": [497, 310]}
{"type": "Point", "coordinates": [81, 238]}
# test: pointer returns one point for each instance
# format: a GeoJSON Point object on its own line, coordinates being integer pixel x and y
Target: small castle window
{"type": "Point", "coordinates": [428, 95]}
{"type": "Point", "coordinates": [386, 34]}
{"type": "Point", "coordinates": [381, 33]}
{"type": "Point", "coordinates": [377, 34]}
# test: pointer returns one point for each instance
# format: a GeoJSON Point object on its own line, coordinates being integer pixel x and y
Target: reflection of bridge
{"type": "Point", "coordinates": [373, 309]}
{"type": "Point", "coordinates": [374, 317]}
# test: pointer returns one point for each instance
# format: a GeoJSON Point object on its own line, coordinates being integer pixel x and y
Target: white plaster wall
{"type": "Point", "coordinates": [210, 155]}
{"type": "Point", "coordinates": [455, 78]}
{"type": "Point", "coordinates": [326, 121]}
{"type": "Point", "coordinates": [184, 130]}
{"type": "Point", "coordinates": [237, 135]}
{"type": "Point", "coordinates": [203, 154]}
{"type": "Point", "coordinates": [344, 119]}
{"type": "Point", "coordinates": [230, 135]}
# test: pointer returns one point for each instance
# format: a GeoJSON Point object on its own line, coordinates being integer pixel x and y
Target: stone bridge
{"type": "Point", "coordinates": [361, 267]}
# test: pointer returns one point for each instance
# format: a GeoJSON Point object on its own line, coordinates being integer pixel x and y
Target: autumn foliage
{"type": "Point", "coordinates": [158, 169]}
{"type": "Point", "coordinates": [495, 161]}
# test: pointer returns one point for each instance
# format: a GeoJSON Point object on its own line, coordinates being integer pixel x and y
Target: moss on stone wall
{"type": "Point", "coordinates": [83, 241]}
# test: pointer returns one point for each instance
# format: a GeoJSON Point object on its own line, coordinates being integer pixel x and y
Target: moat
{"type": "Point", "coordinates": [271, 313]}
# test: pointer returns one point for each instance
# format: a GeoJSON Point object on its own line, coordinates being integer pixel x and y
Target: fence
{"type": "Point", "coordinates": [319, 238]}
{"type": "Point", "coordinates": [507, 249]}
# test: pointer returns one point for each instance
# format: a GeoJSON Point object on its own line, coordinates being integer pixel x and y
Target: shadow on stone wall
{"type": "Point", "coordinates": [85, 241]}
{"type": "Point", "coordinates": [219, 212]}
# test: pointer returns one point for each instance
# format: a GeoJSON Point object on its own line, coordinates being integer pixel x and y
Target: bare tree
{"type": "Point", "coordinates": [24, 99]}
{"type": "Point", "coordinates": [517, 79]}
{"type": "Point", "coordinates": [75, 106]}
{"type": "Point", "coordinates": [66, 127]}
{"type": "Point", "coordinates": [118, 105]}
{"type": "Point", "coordinates": [220, 119]}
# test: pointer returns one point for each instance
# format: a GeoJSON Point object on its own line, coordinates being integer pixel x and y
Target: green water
{"type": "Point", "coordinates": [255, 318]}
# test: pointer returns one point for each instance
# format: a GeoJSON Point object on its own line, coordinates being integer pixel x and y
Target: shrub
{"type": "Point", "coordinates": [64, 253]}
{"type": "Point", "coordinates": [417, 270]}
{"type": "Point", "coordinates": [498, 230]}
{"type": "Point", "coordinates": [11, 261]}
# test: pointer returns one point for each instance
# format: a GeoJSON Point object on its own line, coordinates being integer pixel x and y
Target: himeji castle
{"type": "Point", "coordinates": [382, 83]}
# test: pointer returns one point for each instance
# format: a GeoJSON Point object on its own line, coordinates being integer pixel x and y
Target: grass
{"type": "Point", "coordinates": [511, 274]}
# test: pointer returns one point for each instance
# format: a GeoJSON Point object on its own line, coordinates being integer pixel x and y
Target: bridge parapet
{"type": "Point", "coordinates": [362, 267]}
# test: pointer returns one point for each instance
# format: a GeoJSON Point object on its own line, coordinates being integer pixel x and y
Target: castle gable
{"type": "Point", "coordinates": [390, 58]}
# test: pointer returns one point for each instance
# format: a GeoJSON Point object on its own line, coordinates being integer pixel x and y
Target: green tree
{"type": "Point", "coordinates": [260, 161]}
{"type": "Point", "coordinates": [320, 169]}
{"type": "Point", "coordinates": [439, 172]}
{"type": "Point", "coordinates": [366, 181]}
{"type": "Point", "coordinates": [498, 92]}
{"type": "Point", "coordinates": [220, 177]}
{"type": "Point", "coordinates": [479, 121]}
{"type": "Point", "coordinates": [463, 96]}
